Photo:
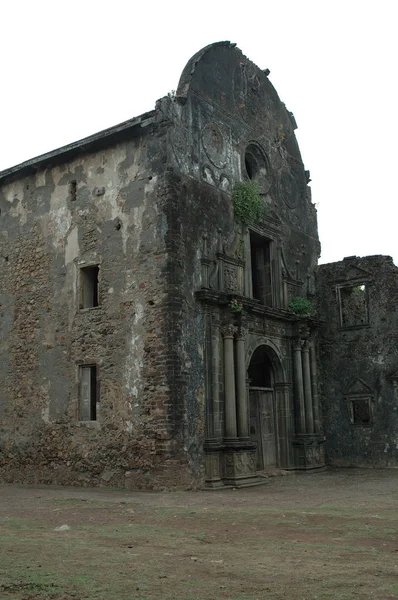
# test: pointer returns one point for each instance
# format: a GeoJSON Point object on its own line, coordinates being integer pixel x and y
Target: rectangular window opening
{"type": "Point", "coordinates": [261, 271]}
{"type": "Point", "coordinates": [88, 393]}
{"type": "Point", "coordinates": [354, 305]}
{"type": "Point", "coordinates": [89, 287]}
{"type": "Point", "coordinates": [72, 190]}
{"type": "Point", "coordinates": [361, 412]}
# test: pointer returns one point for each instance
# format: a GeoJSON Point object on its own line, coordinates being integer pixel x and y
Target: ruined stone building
{"type": "Point", "coordinates": [358, 303]}
{"type": "Point", "coordinates": [147, 334]}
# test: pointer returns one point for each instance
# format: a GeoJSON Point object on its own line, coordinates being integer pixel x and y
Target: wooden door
{"type": "Point", "coordinates": [267, 428]}
{"type": "Point", "coordinates": [255, 435]}
{"type": "Point", "coordinates": [262, 427]}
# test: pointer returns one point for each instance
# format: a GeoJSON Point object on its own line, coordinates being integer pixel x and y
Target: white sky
{"type": "Point", "coordinates": [72, 68]}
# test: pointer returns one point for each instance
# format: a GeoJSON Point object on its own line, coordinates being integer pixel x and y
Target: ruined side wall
{"type": "Point", "coordinates": [117, 220]}
{"type": "Point", "coordinates": [359, 356]}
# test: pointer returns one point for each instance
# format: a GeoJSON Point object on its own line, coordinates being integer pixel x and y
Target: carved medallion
{"type": "Point", "coordinates": [292, 187]}
{"type": "Point", "coordinates": [179, 144]}
{"type": "Point", "coordinates": [215, 144]}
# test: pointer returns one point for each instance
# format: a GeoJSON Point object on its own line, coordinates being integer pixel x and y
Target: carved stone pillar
{"type": "Point", "coordinates": [243, 410]}
{"type": "Point", "coordinates": [215, 370]}
{"type": "Point", "coordinates": [214, 433]}
{"type": "Point", "coordinates": [284, 424]}
{"type": "Point", "coordinates": [248, 264]}
{"type": "Point", "coordinates": [314, 384]}
{"type": "Point", "coordinates": [309, 416]}
{"type": "Point", "coordinates": [229, 383]}
{"type": "Point", "coordinates": [208, 355]}
{"type": "Point", "coordinates": [299, 387]}
{"type": "Point", "coordinates": [206, 264]}
{"type": "Point", "coordinates": [279, 278]}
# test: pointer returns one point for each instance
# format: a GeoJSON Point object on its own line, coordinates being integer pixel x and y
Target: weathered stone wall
{"type": "Point", "coordinates": [118, 220]}
{"type": "Point", "coordinates": [145, 197]}
{"type": "Point", "coordinates": [223, 104]}
{"type": "Point", "coordinates": [359, 360]}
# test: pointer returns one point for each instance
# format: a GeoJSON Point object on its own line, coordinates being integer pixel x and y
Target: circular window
{"type": "Point", "coordinates": [256, 166]}
{"type": "Point", "coordinates": [255, 162]}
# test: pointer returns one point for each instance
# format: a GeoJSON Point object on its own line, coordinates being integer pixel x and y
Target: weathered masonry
{"type": "Point", "coordinates": [359, 357]}
{"type": "Point", "coordinates": [148, 330]}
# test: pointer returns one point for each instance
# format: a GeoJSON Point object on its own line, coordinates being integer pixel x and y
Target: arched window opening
{"type": "Point", "coordinates": [260, 370]}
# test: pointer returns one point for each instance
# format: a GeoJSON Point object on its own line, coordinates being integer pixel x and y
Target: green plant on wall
{"type": "Point", "coordinates": [301, 306]}
{"type": "Point", "coordinates": [248, 204]}
{"type": "Point", "coordinates": [236, 306]}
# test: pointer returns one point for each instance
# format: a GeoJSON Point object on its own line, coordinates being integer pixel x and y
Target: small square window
{"type": "Point", "coordinates": [361, 411]}
{"type": "Point", "coordinates": [88, 285]}
{"type": "Point", "coordinates": [88, 393]}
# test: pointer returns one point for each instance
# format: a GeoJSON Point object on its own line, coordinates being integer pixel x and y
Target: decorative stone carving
{"type": "Point", "coordinates": [225, 183]}
{"type": "Point", "coordinates": [242, 333]}
{"type": "Point", "coordinates": [240, 86]}
{"type": "Point", "coordinates": [246, 84]}
{"type": "Point", "coordinates": [310, 453]}
{"type": "Point", "coordinates": [213, 474]}
{"type": "Point", "coordinates": [179, 144]}
{"type": "Point", "coordinates": [230, 274]}
{"type": "Point", "coordinates": [292, 186]}
{"type": "Point", "coordinates": [228, 330]}
{"type": "Point", "coordinates": [208, 175]}
{"type": "Point", "coordinates": [230, 278]}
{"type": "Point", "coordinates": [240, 249]}
{"type": "Point", "coordinates": [240, 465]}
{"type": "Point", "coordinates": [215, 144]}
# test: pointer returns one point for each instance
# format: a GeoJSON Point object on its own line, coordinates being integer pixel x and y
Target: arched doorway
{"type": "Point", "coordinates": [263, 413]}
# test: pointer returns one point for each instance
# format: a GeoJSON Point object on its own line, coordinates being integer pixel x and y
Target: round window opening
{"type": "Point", "coordinates": [255, 162]}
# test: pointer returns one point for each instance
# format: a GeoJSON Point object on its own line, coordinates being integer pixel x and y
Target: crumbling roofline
{"type": "Point", "coordinates": [96, 141]}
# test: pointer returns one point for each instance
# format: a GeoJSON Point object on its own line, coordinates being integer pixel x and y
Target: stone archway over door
{"type": "Point", "coordinates": [270, 410]}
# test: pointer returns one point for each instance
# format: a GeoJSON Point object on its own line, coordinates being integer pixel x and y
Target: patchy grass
{"type": "Point", "coordinates": [284, 540]}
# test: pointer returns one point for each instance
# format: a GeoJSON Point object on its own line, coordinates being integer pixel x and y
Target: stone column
{"type": "Point", "coordinates": [309, 416]}
{"type": "Point", "coordinates": [229, 383]}
{"type": "Point", "coordinates": [209, 375]}
{"type": "Point", "coordinates": [215, 433]}
{"type": "Point", "coordinates": [314, 384]}
{"type": "Point", "coordinates": [248, 267]}
{"type": "Point", "coordinates": [206, 264]}
{"type": "Point", "coordinates": [215, 379]}
{"type": "Point", "coordinates": [243, 412]}
{"type": "Point", "coordinates": [284, 420]}
{"type": "Point", "coordinates": [299, 386]}
{"type": "Point", "coordinates": [280, 302]}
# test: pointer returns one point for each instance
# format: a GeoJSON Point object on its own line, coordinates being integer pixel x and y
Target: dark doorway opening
{"type": "Point", "coordinates": [88, 393]}
{"type": "Point", "coordinates": [261, 271]}
{"type": "Point", "coordinates": [262, 409]}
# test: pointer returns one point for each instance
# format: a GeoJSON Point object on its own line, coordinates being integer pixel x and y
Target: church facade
{"type": "Point", "coordinates": [153, 332]}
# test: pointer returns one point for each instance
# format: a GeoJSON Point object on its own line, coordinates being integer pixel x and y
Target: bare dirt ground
{"type": "Point", "coordinates": [300, 537]}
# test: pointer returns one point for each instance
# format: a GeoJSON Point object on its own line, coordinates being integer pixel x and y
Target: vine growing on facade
{"type": "Point", "coordinates": [248, 204]}
{"type": "Point", "coordinates": [301, 306]}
